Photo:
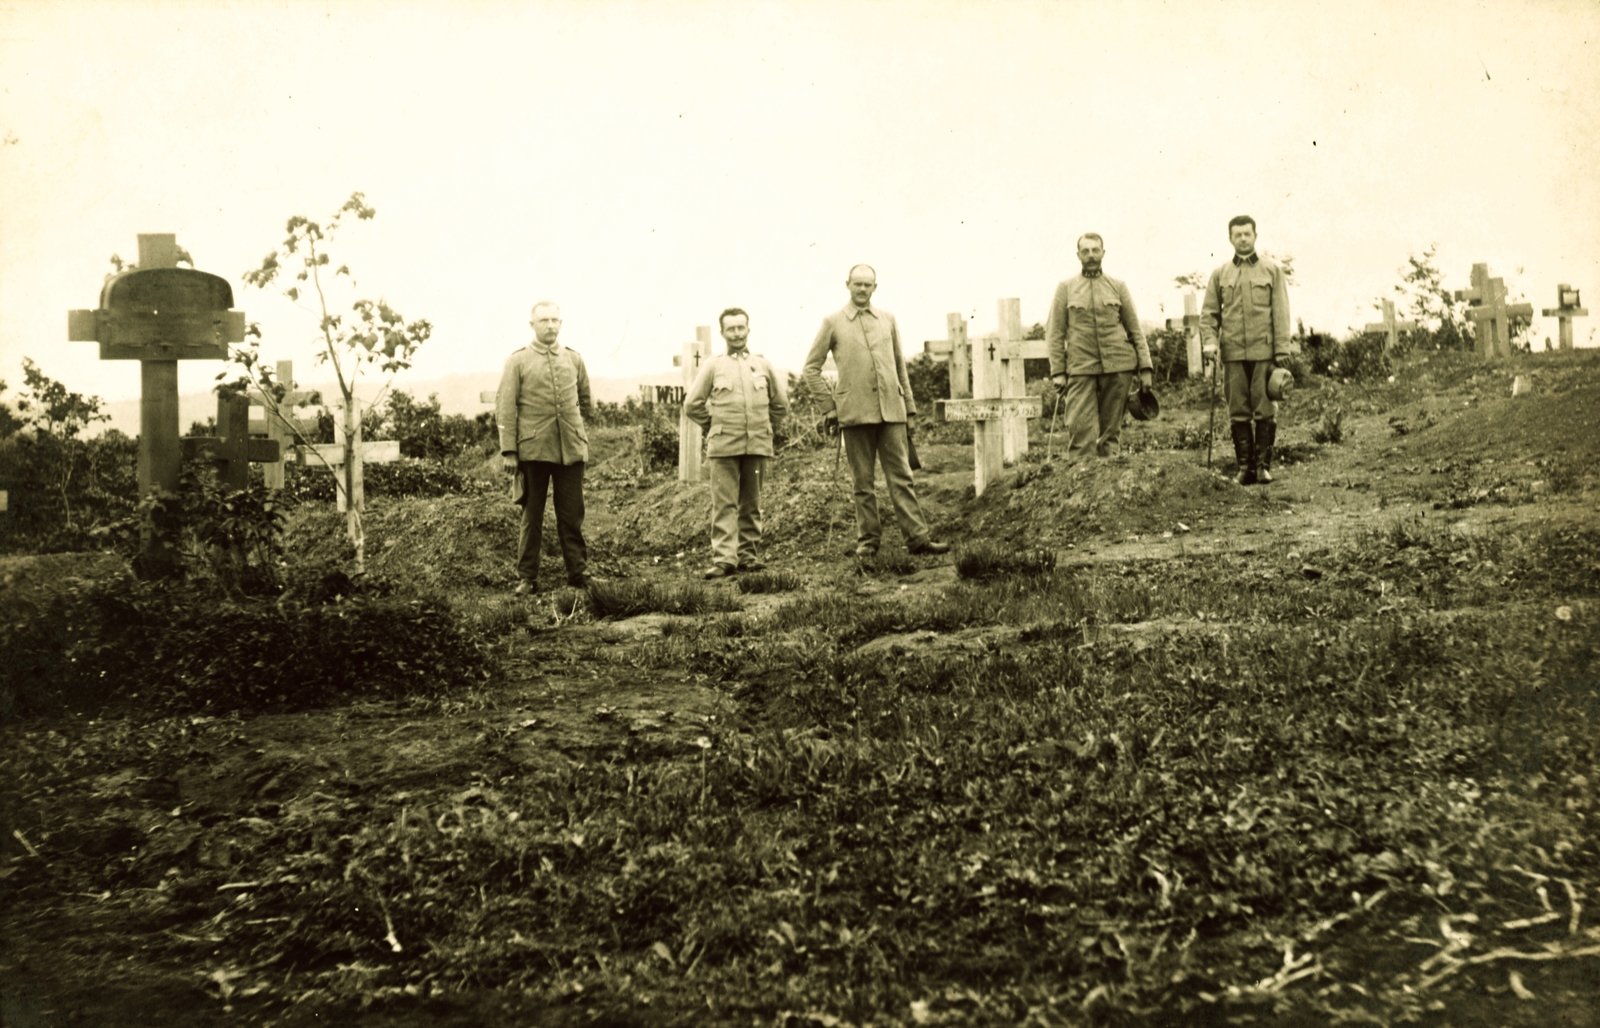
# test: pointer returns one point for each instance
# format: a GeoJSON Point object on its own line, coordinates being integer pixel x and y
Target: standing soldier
{"type": "Point", "coordinates": [1247, 306]}
{"type": "Point", "coordinates": [1095, 343]}
{"type": "Point", "coordinates": [738, 400]}
{"type": "Point", "coordinates": [541, 408]}
{"type": "Point", "coordinates": [870, 405]}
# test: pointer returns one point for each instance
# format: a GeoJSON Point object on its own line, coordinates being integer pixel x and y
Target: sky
{"type": "Point", "coordinates": [647, 164]}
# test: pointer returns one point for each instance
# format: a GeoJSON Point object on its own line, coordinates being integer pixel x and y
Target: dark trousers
{"type": "Point", "coordinates": [538, 476]}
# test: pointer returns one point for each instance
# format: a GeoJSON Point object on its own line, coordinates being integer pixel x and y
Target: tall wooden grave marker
{"type": "Point", "coordinates": [1567, 307]}
{"type": "Point", "coordinates": [1389, 328]}
{"type": "Point", "coordinates": [1491, 313]}
{"type": "Point", "coordinates": [278, 421]}
{"type": "Point", "coordinates": [158, 315]}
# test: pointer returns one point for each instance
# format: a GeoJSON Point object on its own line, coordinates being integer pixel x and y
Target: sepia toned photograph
{"type": "Point", "coordinates": [799, 514]}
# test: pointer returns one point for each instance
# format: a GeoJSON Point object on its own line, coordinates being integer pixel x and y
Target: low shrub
{"type": "Point", "coordinates": [1330, 429]}
{"type": "Point", "coordinates": [415, 477]}
{"type": "Point", "coordinates": [984, 559]}
{"type": "Point", "coordinates": [630, 597]}
{"type": "Point", "coordinates": [169, 646]}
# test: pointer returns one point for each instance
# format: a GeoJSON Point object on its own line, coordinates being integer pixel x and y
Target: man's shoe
{"type": "Point", "coordinates": [525, 588]}
{"type": "Point", "coordinates": [718, 571]}
{"type": "Point", "coordinates": [930, 547]}
{"type": "Point", "coordinates": [752, 565]}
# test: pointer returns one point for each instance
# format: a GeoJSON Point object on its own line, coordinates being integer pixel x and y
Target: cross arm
{"type": "Point", "coordinates": [1565, 312]}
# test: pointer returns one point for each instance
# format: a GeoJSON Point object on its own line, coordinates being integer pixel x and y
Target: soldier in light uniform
{"type": "Point", "coordinates": [1247, 308]}
{"type": "Point", "coordinates": [541, 409]}
{"type": "Point", "coordinates": [1095, 345]}
{"type": "Point", "coordinates": [738, 401]}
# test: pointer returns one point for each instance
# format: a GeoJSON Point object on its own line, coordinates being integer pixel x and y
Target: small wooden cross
{"type": "Point", "coordinates": [1389, 328]}
{"type": "Point", "coordinates": [232, 449]}
{"type": "Point", "coordinates": [332, 455]}
{"type": "Point", "coordinates": [1567, 307]}
{"type": "Point", "coordinates": [278, 422]}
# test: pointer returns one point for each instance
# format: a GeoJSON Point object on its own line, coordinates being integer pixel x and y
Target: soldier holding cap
{"type": "Point", "coordinates": [1247, 309]}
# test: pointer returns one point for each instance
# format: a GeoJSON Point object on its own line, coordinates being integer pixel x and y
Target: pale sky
{"type": "Point", "coordinates": [647, 164]}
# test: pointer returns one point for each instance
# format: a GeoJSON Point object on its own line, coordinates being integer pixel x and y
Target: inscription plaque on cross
{"type": "Point", "coordinates": [1491, 313]}
{"type": "Point", "coordinates": [1567, 307]}
{"type": "Point", "coordinates": [232, 449]}
{"type": "Point", "coordinates": [1389, 328]}
{"type": "Point", "coordinates": [159, 314]}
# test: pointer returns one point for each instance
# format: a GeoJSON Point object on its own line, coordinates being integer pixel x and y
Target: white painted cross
{"type": "Point", "coordinates": [989, 409]}
{"type": "Point", "coordinates": [691, 468]}
{"type": "Point", "coordinates": [1567, 307]}
{"type": "Point", "coordinates": [332, 456]}
{"type": "Point", "coordinates": [1389, 328]}
{"type": "Point", "coordinates": [1491, 313]}
{"type": "Point", "coordinates": [1191, 334]}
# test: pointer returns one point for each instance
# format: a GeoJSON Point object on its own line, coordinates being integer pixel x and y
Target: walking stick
{"type": "Point", "coordinates": [837, 452]}
{"type": "Point", "coordinates": [1211, 418]}
{"type": "Point", "coordinates": [1050, 447]}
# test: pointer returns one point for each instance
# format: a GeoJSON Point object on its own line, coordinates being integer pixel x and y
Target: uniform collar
{"type": "Point", "coordinates": [741, 355]}
{"type": "Point", "coordinates": [1092, 274]}
{"type": "Point", "coordinates": [852, 311]}
{"type": "Point", "coordinates": [549, 350]}
{"type": "Point", "coordinates": [1252, 259]}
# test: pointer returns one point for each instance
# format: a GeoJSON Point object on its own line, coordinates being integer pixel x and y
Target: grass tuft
{"type": "Point", "coordinates": [984, 559]}
{"type": "Point", "coordinates": [768, 582]}
{"type": "Point", "coordinates": [626, 598]}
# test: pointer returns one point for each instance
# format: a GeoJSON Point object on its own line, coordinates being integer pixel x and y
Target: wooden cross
{"type": "Point", "coordinates": [1491, 313]}
{"type": "Point", "coordinates": [691, 468]}
{"type": "Point", "coordinates": [232, 449]}
{"type": "Point", "coordinates": [349, 483]}
{"type": "Point", "coordinates": [959, 361]}
{"type": "Point", "coordinates": [1567, 307]}
{"type": "Point", "coordinates": [1389, 328]}
{"type": "Point", "coordinates": [278, 422]}
{"type": "Point", "coordinates": [990, 408]}
{"type": "Point", "coordinates": [159, 314]}
{"type": "Point", "coordinates": [1191, 333]}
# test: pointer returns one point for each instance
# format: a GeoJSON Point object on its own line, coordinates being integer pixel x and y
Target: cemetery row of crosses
{"type": "Point", "coordinates": [160, 314]}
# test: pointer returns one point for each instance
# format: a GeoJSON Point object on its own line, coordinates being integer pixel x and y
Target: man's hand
{"type": "Point", "coordinates": [1146, 378]}
{"type": "Point", "coordinates": [508, 461]}
{"type": "Point", "coordinates": [1060, 384]}
{"type": "Point", "coordinates": [830, 423]}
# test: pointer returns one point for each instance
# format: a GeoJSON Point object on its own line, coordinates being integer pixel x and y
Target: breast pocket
{"type": "Point", "coordinates": [721, 381]}
{"type": "Point", "coordinates": [1261, 295]}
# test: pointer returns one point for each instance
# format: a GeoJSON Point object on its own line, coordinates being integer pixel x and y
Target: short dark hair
{"type": "Point", "coordinates": [730, 312]}
{"type": "Point", "coordinates": [1095, 236]}
{"type": "Point", "coordinates": [851, 273]}
{"type": "Point", "coordinates": [1242, 219]}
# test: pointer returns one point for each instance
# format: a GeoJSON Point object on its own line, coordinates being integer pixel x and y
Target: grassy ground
{"type": "Point", "coordinates": [1319, 752]}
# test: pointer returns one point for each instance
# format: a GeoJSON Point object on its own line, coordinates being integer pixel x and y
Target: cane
{"type": "Point", "coordinates": [838, 451]}
{"type": "Point", "coordinates": [1211, 419]}
{"type": "Point", "coordinates": [1050, 447]}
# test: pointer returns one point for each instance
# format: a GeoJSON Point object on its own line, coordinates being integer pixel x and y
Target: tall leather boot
{"type": "Point", "coordinates": [1266, 433]}
{"type": "Point", "coordinates": [1244, 451]}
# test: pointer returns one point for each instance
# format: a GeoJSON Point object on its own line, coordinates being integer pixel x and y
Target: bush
{"type": "Point", "coordinates": [102, 487]}
{"type": "Point", "coordinates": [172, 646]}
{"type": "Point", "coordinates": [404, 477]}
{"type": "Point", "coordinates": [660, 449]}
{"type": "Point", "coordinates": [423, 432]}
